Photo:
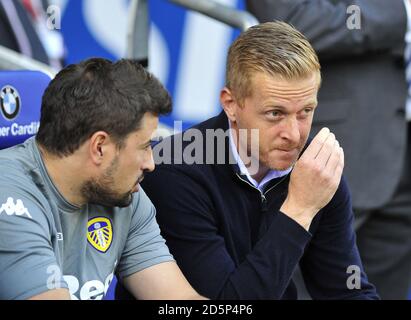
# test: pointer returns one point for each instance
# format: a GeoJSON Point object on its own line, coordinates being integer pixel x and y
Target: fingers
{"type": "Point", "coordinates": [340, 166]}
{"type": "Point", "coordinates": [317, 173]}
{"type": "Point", "coordinates": [327, 154]}
{"type": "Point", "coordinates": [328, 148]}
{"type": "Point", "coordinates": [321, 148]}
{"type": "Point", "coordinates": [315, 146]}
{"type": "Point", "coordinates": [335, 165]}
{"type": "Point", "coordinates": [334, 158]}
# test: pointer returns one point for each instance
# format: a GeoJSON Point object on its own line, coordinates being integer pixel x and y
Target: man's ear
{"type": "Point", "coordinates": [229, 104]}
{"type": "Point", "coordinates": [100, 145]}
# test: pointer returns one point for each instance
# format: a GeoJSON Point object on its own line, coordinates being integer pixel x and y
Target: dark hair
{"type": "Point", "coordinates": [97, 94]}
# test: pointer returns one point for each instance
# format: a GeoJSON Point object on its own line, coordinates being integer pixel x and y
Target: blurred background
{"type": "Point", "coordinates": [187, 50]}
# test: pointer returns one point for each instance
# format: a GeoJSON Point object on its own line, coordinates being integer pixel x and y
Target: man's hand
{"type": "Point", "coordinates": [314, 179]}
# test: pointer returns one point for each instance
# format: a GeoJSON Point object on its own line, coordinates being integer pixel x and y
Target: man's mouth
{"type": "Point", "coordinates": [287, 150]}
{"type": "Point", "coordinates": [287, 153]}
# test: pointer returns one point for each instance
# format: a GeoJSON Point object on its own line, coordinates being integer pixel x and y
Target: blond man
{"type": "Point", "coordinates": [239, 227]}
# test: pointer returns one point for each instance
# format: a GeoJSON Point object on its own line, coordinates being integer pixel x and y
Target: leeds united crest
{"type": "Point", "coordinates": [100, 233]}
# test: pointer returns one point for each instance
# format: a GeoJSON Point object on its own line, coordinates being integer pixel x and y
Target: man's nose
{"type": "Point", "coordinates": [149, 164]}
{"type": "Point", "coordinates": [291, 130]}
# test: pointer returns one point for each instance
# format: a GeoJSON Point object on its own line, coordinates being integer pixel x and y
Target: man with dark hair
{"type": "Point", "coordinates": [72, 212]}
{"type": "Point", "coordinates": [239, 227]}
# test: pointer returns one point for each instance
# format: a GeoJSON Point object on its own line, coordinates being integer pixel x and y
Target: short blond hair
{"type": "Point", "coordinates": [274, 48]}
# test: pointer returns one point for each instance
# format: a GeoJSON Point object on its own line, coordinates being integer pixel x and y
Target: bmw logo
{"type": "Point", "coordinates": [10, 102]}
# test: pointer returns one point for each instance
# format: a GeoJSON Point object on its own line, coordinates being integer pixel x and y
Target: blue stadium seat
{"type": "Point", "coordinates": [20, 103]}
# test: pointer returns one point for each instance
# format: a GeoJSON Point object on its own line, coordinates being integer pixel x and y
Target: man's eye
{"type": "Point", "coordinates": [275, 114]}
{"type": "Point", "coordinates": [146, 147]}
{"type": "Point", "coordinates": [307, 112]}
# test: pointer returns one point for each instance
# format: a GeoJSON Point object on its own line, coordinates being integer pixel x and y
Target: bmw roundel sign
{"type": "Point", "coordinates": [10, 102]}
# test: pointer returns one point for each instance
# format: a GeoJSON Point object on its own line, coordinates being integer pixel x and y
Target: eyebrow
{"type": "Point", "coordinates": [281, 108]}
{"type": "Point", "coordinates": [272, 106]}
{"type": "Point", "coordinates": [312, 103]}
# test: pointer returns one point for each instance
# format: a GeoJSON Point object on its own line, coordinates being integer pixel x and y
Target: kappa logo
{"type": "Point", "coordinates": [100, 233]}
{"type": "Point", "coordinates": [11, 208]}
